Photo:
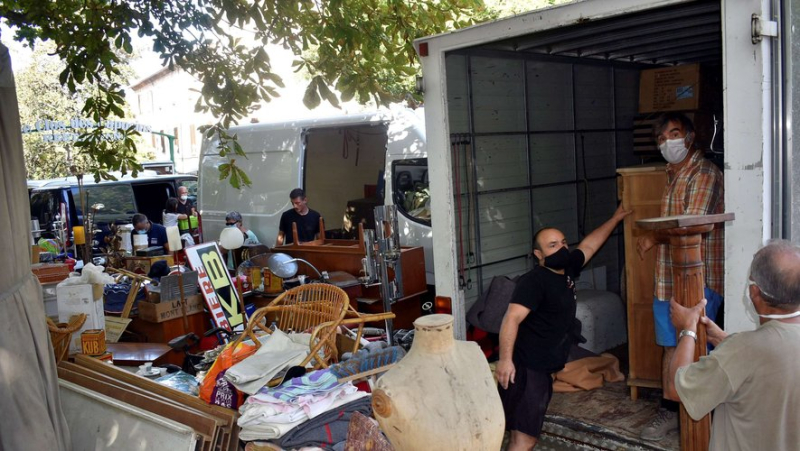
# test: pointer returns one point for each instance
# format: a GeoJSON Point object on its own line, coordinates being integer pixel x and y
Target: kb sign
{"type": "Point", "coordinates": [220, 294]}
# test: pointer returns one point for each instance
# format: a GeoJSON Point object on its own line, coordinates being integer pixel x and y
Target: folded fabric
{"type": "Point", "coordinates": [587, 373]}
{"type": "Point", "coordinates": [319, 381]}
{"type": "Point", "coordinates": [327, 429]}
{"type": "Point", "coordinates": [261, 411]}
{"type": "Point", "coordinates": [277, 353]}
{"type": "Point", "coordinates": [268, 430]}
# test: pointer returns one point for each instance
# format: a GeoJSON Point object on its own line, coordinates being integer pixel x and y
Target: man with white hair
{"type": "Point", "coordinates": [750, 379]}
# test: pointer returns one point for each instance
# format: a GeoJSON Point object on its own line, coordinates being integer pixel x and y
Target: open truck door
{"type": "Point", "coordinates": [480, 86]}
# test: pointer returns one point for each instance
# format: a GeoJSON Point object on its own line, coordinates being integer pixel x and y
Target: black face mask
{"type": "Point", "coordinates": [559, 260]}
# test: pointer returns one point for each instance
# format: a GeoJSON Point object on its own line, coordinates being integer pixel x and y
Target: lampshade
{"type": "Point", "coordinates": [174, 238]}
{"type": "Point", "coordinates": [282, 265]}
{"type": "Point", "coordinates": [79, 235]}
{"type": "Point", "coordinates": [231, 238]}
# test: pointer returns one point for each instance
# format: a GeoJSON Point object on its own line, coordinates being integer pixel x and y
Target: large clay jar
{"type": "Point", "coordinates": [441, 395]}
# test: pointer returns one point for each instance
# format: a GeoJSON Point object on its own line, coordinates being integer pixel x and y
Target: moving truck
{"type": "Point", "coordinates": [529, 117]}
{"type": "Point", "coordinates": [347, 165]}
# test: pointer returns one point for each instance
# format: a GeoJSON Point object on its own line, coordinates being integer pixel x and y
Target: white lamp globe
{"type": "Point", "coordinates": [231, 238]}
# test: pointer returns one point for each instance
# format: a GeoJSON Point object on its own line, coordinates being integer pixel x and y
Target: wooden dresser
{"type": "Point", "coordinates": [640, 190]}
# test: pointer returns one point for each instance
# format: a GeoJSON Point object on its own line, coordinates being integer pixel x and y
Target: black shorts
{"type": "Point", "coordinates": [525, 402]}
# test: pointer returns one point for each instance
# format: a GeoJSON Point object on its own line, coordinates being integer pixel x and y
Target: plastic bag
{"type": "Point", "coordinates": [181, 381]}
{"type": "Point", "coordinates": [215, 389]}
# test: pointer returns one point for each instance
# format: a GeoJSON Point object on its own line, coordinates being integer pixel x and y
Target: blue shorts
{"type": "Point", "coordinates": [666, 335]}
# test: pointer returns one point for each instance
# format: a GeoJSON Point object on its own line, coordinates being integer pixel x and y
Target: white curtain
{"type": "Point", "coordinates": [30, 412]}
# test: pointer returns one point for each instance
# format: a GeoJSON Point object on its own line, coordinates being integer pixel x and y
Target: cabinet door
{"type": "Point", "coordinates": [642, 193]}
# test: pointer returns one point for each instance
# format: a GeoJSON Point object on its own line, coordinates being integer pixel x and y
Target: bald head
{"type": "Point", "coordinates": [547, 241]}
{"type": "Point", "coordinates": [776, 271]}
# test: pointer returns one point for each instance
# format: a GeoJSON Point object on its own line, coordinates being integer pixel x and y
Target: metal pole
{"type": "Point", "coordinates": [171, 139]}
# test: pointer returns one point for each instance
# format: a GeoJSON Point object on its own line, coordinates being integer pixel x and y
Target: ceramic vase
{"type": "Point", "coordinates": [441, 395]}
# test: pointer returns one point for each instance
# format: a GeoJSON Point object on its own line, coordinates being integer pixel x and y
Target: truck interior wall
{"type": "Point", "coordinates": [532, 140]}
{"type": "Point", "coordinates": [339, 164]}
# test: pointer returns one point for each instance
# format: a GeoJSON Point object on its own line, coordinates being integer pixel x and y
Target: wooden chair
{"type": "Point", "coordinates": [316, 308]}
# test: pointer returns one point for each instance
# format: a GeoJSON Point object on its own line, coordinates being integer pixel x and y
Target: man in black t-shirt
{"type": "Point", "coordinates": [535, 335]}
{"type": "Point", "coordinates": [307, 220]}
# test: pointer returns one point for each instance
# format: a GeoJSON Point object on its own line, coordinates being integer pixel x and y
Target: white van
{"type": "Point", "coordinates": [347, 165]}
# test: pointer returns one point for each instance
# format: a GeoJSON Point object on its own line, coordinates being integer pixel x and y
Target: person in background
{"type": "Point", "coordinates": [173, 218]}
{"type": "Point", "coordinates": [694, 187]}
{"type": "Point", "coordinates": [234, 219]}
{"type": "Point", "coordinates": [749, 381]}
{"type": "Point", "coordinates": [539, 328]}
{"type": "Point", "coordinates": [185, 207]}
{"type": "Point", "coordinates": [307, 220]}
{"type": "Point", "coordinates": [156, 233]}
{"type": "Point", "coordinates": [171, 214]}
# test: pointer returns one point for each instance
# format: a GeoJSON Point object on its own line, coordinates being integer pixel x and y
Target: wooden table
{"type": "Point", "coordinates": [135, 354]}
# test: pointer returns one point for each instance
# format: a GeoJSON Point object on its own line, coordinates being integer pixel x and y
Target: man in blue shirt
{"type": "Point", "coordinates": [156, 233]}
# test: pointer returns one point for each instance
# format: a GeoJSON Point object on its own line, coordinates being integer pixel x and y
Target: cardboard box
{"type": "Point", "coordinates": [670, 89]}
{"type": "Point", "coordinates": [141, 265]}
{"type": "Point", "coordinates": [164, 311]}
{"type": "Point", "coordinates": [93, 342]}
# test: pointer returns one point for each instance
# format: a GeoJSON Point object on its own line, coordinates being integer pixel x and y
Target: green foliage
{"type": "Point", "coordinates": [363, 49]}
{"type": "Point", "coordinates": [42, 97]}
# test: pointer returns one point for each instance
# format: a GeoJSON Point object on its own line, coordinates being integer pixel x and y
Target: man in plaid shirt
{"type": "Point", "coordinates": [694, 187]}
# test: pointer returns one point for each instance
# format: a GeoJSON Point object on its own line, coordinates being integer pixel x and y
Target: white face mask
{"type": "Point", "coordinates": [775, 316]}
{"type": "Point", "coordinates": [184, 198]}
{"type": "Point", "coordinates": [674, 150]}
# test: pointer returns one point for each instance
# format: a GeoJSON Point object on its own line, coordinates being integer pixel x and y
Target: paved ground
{"type": "Point", "coordinates": [605, 418]}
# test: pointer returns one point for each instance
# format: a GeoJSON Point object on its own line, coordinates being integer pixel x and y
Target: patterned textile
{"type": "Point", "coordinates": [327, 429]}
{"type": "Point", "coordinates": [695, 189]}
{"type": "Point", "coordinates": [315, 382]}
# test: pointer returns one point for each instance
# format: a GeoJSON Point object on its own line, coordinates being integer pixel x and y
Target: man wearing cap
{"type": "Point", "coordinates": [234, 219]}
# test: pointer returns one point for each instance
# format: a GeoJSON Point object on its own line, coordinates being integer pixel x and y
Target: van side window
{"type": "Point", "coordinates": [410, 191]}
{"type": "Point", "coordinates": [117, 202]}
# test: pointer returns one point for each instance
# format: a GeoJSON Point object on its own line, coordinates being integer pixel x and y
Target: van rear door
{"type": "Point", "coordinates": [151, 198]}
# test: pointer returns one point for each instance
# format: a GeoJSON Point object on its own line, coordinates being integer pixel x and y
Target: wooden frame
{"type": "Point", "coordinates": [230, 438]}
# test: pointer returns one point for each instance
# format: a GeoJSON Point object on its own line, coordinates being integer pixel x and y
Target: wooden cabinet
{"type": "Point", "coordinates": [640, 190]}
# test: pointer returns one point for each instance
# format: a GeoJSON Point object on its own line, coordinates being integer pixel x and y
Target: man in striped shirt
{"type": "Point", "coordinates": [694, 187]}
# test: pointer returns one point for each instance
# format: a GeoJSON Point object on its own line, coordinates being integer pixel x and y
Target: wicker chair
{"type": "Point", "coordinates": [317, 308]}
